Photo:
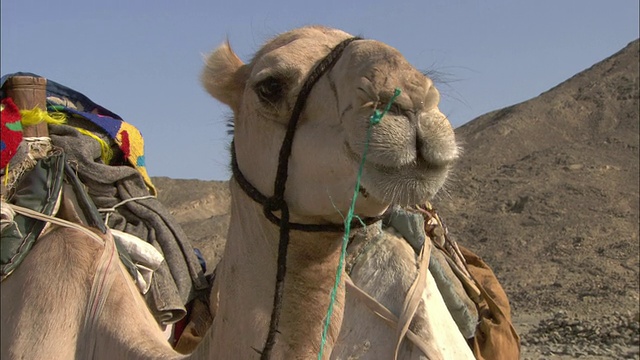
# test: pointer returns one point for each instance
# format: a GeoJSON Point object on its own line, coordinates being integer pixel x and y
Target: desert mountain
{"type": "Point", "coordinates": [547, 192]}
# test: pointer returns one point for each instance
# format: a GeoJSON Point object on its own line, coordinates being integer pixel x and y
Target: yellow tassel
{"type": "Point", "coordinates": [6, 175]}
{"type": "Point", "coordinates": [107, 153]}
{"type": "Point", "coordinates": [37, 115]}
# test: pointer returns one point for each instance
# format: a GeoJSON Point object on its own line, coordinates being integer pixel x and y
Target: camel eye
{"type": "Point", "coordinates": [270, 90]}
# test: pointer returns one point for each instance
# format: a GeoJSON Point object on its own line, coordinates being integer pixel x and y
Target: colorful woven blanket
{"type": "Point", "coordinates": [73, 103]}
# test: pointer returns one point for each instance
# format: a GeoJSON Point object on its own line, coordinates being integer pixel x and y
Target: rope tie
{"type": "Point", "coordinates": [374, 120]}
{"type": "Point", "coordinates": [112, 209]}
{"type": "Point", "coordinates": [7, 215]}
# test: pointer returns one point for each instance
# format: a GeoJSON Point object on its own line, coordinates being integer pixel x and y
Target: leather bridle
{"type": "Point", "coordinates": [277, 203]}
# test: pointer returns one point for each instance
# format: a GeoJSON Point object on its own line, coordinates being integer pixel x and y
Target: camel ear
{"type": "Point", "coordinates": [224, 76]}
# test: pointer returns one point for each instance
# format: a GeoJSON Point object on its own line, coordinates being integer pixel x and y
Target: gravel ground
{"type": "Point", "coordinates": [562, 336]}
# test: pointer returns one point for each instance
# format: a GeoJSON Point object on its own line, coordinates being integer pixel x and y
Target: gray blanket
{"type": "Point", "coordinates": [180, 277]}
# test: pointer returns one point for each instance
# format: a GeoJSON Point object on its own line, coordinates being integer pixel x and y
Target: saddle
{"type": "Point", "coordinates": [471, 291]}
{"type": "Point", "coordinates": [481, 311]}
{"type": "Point", "coordinates": [89, 169]}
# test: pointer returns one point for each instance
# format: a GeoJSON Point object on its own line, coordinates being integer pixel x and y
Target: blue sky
{"type": "Point", "coordinates": [142, 59]}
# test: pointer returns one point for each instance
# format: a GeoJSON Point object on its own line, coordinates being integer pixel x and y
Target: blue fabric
{"type": "Point", "coordinates": [93, 112]}
{"type": "Point", "coordinates": [58, 90]}
{"type": "Point", "coordinates": [110, 125]}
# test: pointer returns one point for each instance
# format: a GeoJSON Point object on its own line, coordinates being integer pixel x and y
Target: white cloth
{"type": "Point", "coordinates": [145, 257]}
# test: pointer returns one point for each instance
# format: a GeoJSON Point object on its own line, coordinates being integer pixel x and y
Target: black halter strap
{"type": "Point", "coordinates": [277, 203]}
{"type": "Point", "coordinates": [258, 197]}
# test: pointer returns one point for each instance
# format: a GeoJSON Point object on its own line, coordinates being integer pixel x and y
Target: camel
{"type": "Point", "coordinates": [409, 158]}
{"type": "Point", "coordinates": [410, 154]}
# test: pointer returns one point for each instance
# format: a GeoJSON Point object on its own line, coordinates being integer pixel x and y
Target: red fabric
{"type": "Point", "coordinates": [178, 328]}
{"type": "Point", "coordinates": [125, 146]}
{"type": "Point", "coordinates": [10, 131]}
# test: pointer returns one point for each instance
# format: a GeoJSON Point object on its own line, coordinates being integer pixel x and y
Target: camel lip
{"type": "Point", "coordinates": [403, 186]}
{"type": "Point", "coordinates": [420, 167]}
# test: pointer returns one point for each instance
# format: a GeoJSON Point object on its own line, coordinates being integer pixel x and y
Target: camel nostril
{"type": "Point", "coordinates": [419, 145]}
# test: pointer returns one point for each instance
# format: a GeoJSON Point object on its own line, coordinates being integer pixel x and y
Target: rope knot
{"type": "Point", "coordinates": [274, 203]}
{"type": "Point", "coordinates": [377, 114]}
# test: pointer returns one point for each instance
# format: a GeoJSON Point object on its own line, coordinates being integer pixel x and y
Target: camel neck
{"type": "Point", "coordinates": [247, 281]}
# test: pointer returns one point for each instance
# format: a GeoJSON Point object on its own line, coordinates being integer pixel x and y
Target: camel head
{"type": "Point", "coordinates": [410, 152]}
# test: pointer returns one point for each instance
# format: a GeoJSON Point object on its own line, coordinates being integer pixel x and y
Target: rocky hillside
{"type": "Point", "coordinates": [547, 192]}
{"type": "Point", "coordinates": [202, 209]}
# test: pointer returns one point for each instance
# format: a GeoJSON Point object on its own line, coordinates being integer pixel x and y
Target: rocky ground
{"type": "Point", "coordinates": [547, 192]}
{"type": "Point", "coordinates": [565, 336]}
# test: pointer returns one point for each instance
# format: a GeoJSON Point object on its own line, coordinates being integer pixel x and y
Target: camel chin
{"type": "Point", "coordinates": [404, 186]}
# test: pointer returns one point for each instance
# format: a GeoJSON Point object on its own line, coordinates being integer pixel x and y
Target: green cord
{"type": "Point", "coordinates": [374, 120]}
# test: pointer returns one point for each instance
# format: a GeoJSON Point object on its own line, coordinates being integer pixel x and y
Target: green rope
{"type": "Point", "coordinates": [374, 120]}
